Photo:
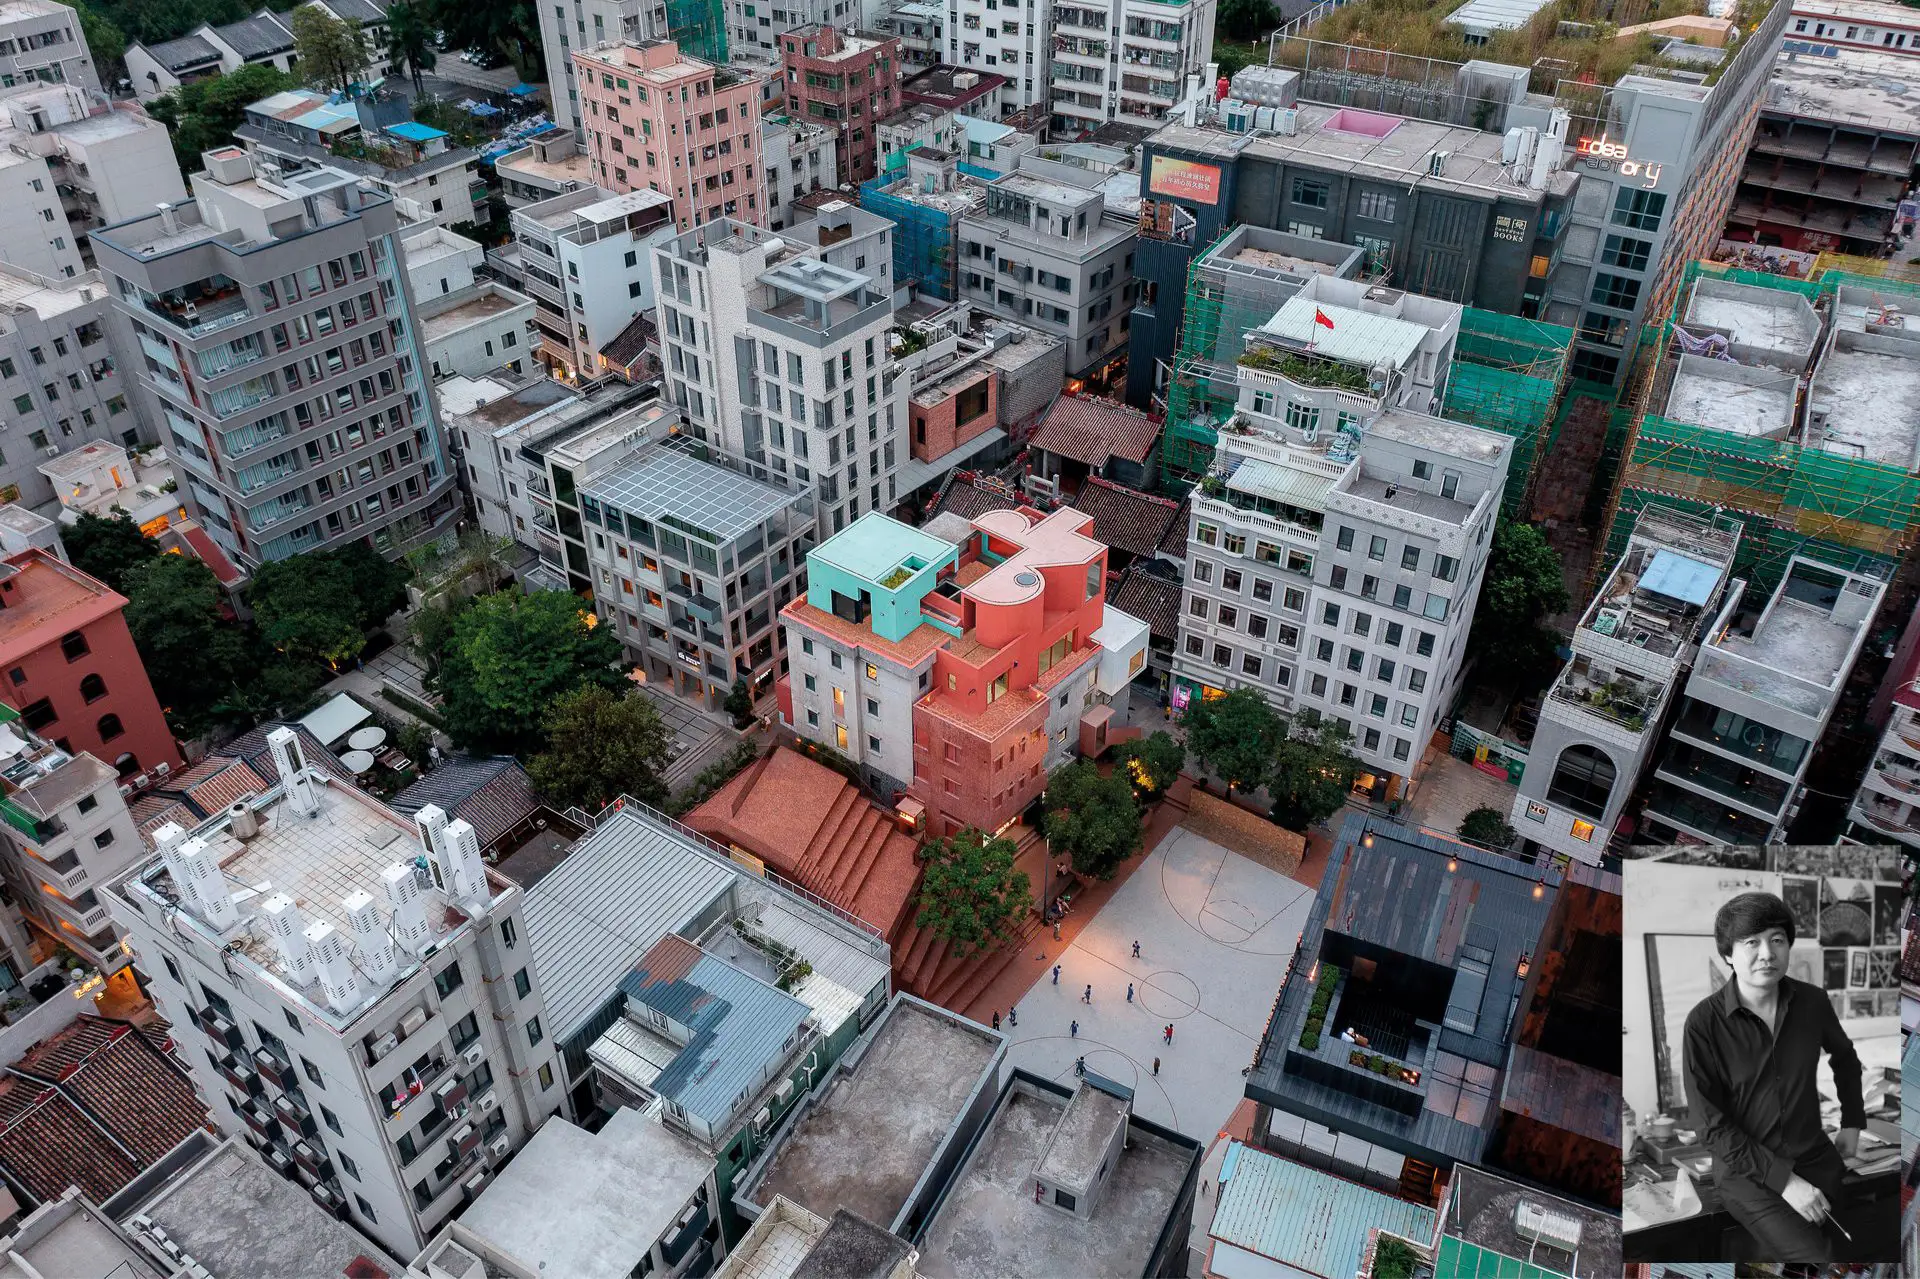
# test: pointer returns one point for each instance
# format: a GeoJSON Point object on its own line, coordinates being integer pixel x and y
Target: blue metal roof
{"type": "Point", "coordinates": [1679, 577]}
{"type": "Point", "coordinates": [1304, 1218]}
{"type": "Point", "coordinates": [413, 131]}
{"type": "Point", "coordinates": [740, 1026]}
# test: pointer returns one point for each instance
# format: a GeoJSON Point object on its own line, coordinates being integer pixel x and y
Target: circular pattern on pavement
{"type": "Point", "coordinates": [1168, 993]}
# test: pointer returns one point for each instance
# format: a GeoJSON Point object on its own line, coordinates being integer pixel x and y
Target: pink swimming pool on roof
{"type": "Point", "coordinates": [1368, 123]}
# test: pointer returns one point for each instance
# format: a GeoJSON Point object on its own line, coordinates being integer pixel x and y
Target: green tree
{"type": "Point", "coordinates": [739, 703]}
{"type": "Point", "coordinates": [410, 41]}
{"type": "Point", "coordinates": [1152, 763]}
{"type": "Point", "coordinates": [105, 41]}
{"type": "Point", "coordinates": [430, 630]}
{"type": "Point", "coordinates": [271, 686]}
{"type": "Point", "coordinates": [192, 651]}
{"type": "Point", "coordinates": [601, 745]}
{"type": "Point", "coordinates": [1234, 737]}
{"type": "Point", "coordinates": [415, 741]}
{"type": "Point", "coordinates": [971, 894]}
{"type": "Point", "coordinates": [1245, 19]}
{"type": "Point", "coordinates": [203, 115]}
{"type": "Point", "coordinates": [1488, 827]}
{"type": "Point", "coordinates": [332, 53]}
{"type": "Point", "coordinates": [306, 608]}
{"type": "Point", "coordinates": [1313, 771]}
{"type": "Point", "coordinates": [379, 585]}
{"type": "Point", "coordinates": [109, 548]}
{"type": "Point", "coordinates": [1231, 59]}
{"type": "Point", "coordinates": [1092, 817]}
{"type": "Point", "coordinates": [511, 656]}
{"type": "Point", "coordinates": [1523, 586]}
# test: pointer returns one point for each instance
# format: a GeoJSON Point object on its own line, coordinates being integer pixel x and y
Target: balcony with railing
{"type": "Point", "coordinates": [224, 359]}
{"type": "Point", "coordinates": [1624, 702]}
{"type": "Point", "coordinates": [278, 510]}
{"type": "Point", "coordinates": [198, 309]}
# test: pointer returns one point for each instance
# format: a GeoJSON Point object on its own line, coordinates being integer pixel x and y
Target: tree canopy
{"type": "Point", "coordinates": [108, 547]}
{"type": "Point", "coordinates": [510, 27]}
{"type": "Point", "coordinates": [203, 114]}
{"type": "Point", "coordinates": [193, 652]}
{"type": "Point", "coordinates": [1152, 763]}
{"type": "Point", "coordinates": [601, 745]}
{"type": "Point", "coordinates": [511, 656]}
{"type": "Point", "coordinates": [1521, 589]}
{"type": "Point", "coordinates": [1488, 826]}
{"type": "Point", "coordinates": [410, 40]}
{"type": "Point", "coordinates": [1312, 772]}
{"type": "Point", "coordinates": [971, 894]}
{"type": "Point", "coordinates": [1093, 818]}
{"type": "Point", "coordinates": [1245, 19]}
{"type": "Point", "coordinates": [320, 606]}
{"type": "Point", "coordinates": [1234, 737]}
{"type": "Point", "coordinates": [332, 54]}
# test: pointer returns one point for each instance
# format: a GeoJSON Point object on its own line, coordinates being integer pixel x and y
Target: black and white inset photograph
{"type": "Point", "coordinates": [1761, 1057]}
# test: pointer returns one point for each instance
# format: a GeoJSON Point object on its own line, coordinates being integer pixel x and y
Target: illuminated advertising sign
{"type": "Point", "coordinates": [1598, 153]}
{"type": "Point", "coordinates": [1185, 180]}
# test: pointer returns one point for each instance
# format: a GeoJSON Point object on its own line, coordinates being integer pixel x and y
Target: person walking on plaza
{"type": "Point", "coordinates": [1167, 1034]}
{"type": "Point", "coordinates": [1056, 974]}
{"type": "Point", "coordinates": [1156, 1068]}
{"type": "Point", "coordinates": [1086, 997]}
{"type": "Point", "coordinates": [1073, 1030]}
{"type": "Point", "coordinates": [1129, 992]}
{"type": "Point", "coordinates": [1013, 1014]}
{"type": "Point", "coordinates": [1136, 950]}
{"type": "Point", "coordinates": [996, 1021]}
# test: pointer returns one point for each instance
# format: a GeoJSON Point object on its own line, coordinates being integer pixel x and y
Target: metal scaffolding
{"type": "Point", "coordinates": [1510, 375]}
{"type": "Point", "coordinates": [1793, 498]}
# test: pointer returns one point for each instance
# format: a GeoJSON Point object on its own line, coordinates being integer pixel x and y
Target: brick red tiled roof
{"type": "Point", "coordinates": [94, 1106]}
{"type": "Point", "coordinates": [814, 827]}
{"type": "Point", "coordinates": [1092, 431]}
{"type": "Point", "coordinates": [1126, 519]}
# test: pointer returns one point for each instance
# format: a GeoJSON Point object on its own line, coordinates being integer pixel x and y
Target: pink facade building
{"type": "Point", "coordinates": [656, 119]}
{"type": "Point", "coordinates": [960, 672]}
{"type": "Point", "coordinates": [845, 81]}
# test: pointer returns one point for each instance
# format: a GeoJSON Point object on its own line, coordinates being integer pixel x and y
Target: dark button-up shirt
{"type": "Point", "coordinates": [1752, 1090]}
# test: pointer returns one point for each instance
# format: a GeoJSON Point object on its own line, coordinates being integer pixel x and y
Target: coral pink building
{"type": "Point", "coordinates": [845, 81]}
{"type": "Point", "coordinates": [68, 665]}
{"type": "Point", "coordinates": [960, 672]}
{"type": "Point", "coordinates": [658, 120]}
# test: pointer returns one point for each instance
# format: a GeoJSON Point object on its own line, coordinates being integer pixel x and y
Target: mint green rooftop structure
{"type": "Point", "coordinates": [877, 570]}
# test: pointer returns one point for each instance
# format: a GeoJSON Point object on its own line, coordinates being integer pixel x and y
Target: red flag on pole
{"type": "Point", "coordinates": [1320, 318]}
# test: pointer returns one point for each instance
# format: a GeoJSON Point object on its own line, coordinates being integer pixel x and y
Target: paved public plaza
{"type": "Point", "coordinates": [1216, 932]}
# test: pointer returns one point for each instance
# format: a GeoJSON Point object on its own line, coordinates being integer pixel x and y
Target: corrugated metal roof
{"type": "Point", "coordinates": [625, 886]}
{"type": "Point", "coordinates": [1356, 336]}
{"type": "Point", "coordinates": [740, 1025]}
{"type": "Point", "coordinates": [1295, 487]}
{"type": "Point", "coordinates": [1305, 1218]}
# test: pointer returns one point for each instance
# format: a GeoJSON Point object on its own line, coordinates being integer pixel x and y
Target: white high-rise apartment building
{"type": "Point", "coordinates": [776, 348]}
{"type": "Point", "coordinates": [1338, 541]}
{"type": "Point", "coordinates": [351, 990]}
{"type": "Point", "coordinates": [1122, 60]}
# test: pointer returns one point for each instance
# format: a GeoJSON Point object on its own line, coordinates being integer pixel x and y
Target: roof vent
{"type": "Point", "coordinates": [1025, 578]}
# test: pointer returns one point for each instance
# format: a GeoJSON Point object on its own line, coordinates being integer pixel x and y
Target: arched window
{"type": "Point", "coordinates": [93, 688]}
{"type": "Point", "coordinates": [127, 765]}
{"type": "Point", "coordinates": [1582, 781]}
{"type": "Point", "coordinates": [110, 728]}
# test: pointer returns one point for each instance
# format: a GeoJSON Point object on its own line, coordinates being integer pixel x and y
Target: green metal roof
{"type": "Point", "coordinates": [1304, 1218]}
{"type": "Point", "coordinates": [876, 544]}
{"type": "Point", "coordinates": [1458, 1259]}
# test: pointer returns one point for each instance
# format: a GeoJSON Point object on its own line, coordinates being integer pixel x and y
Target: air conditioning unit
{"type": "Point", "coordinates": [485, 1102]}
{"type": "Point", "coordinates": [474, 1054]}
{"type": "Point", "coordinates": [1543, 1225]}
{"type": "Point", "coordinates": [762, 1118]}
{"type": "Point", "coordinates": [460, 1136]}
{"type": "Point", "coordinates": [162, 769]}
{"type": "Point", "coordinates": [784, 1092]}
{"type": "Point", "coordinates": [52, 450]}
{"type": "Point", "coordinates": [498, 1146]}
{"type": "Point", "coordinates": [385, 1044]}
{"type": "Point", "coordinates": [473, 1184]}
{"type": "Point", "coordinates": [412, 1022]}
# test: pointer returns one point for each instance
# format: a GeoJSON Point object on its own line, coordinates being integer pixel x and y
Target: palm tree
{"type": "Point", "coordinates": [410, 41]}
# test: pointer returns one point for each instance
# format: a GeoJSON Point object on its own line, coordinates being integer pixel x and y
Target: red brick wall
{"type": "Point", "coordinates": [129, 695]}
